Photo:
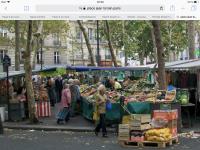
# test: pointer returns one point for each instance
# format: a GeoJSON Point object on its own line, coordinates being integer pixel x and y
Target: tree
{"type": "Point", "coordinates": [36, 41]}
{"type": "Point", "coordinates": [28, 75]}
{"type": "Point", "coordinates": [114, 60]}
{"type": "Point", "coordinates": [174, 37]}
{"type": "Point", "coordinates": [17, 51]}
{"type": "Point", "coordinates": [191, 38]}
{"type": "Point", "coordinates": [87, 42]}
{"type": "Point", "coordinates": [160, 55]}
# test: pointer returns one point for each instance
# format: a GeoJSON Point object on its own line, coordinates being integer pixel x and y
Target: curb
{"type": "Point", "coordinates": [53, 128]}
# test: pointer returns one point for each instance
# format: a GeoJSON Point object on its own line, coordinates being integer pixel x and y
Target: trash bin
{"type": "Point", "coordinates": [2, 113]}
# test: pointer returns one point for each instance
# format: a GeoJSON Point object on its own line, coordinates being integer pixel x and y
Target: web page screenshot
{"type": "Point", "coordinates": [73, 72]}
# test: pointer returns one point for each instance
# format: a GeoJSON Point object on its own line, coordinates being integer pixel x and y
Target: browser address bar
{"type": "Point", "coordinates": [100, 8]}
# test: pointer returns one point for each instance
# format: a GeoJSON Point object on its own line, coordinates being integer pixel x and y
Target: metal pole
{"type": "Point", "coordinates": [41, 61]}
{"type": "Point", "coordinates": [82, 49]}
{"type": "Point", "coordinates": [8, 102]}
{"type": "Point", "coordinates": [98, 51]}
{"type": "Point", "coordinates": [1, 126]}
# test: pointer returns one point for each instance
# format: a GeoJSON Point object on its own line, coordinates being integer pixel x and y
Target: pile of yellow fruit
{"type": "Point", "coordinates": [158, 135]}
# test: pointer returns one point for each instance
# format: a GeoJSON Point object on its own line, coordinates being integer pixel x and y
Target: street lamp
{"type": "Point", "coordinates": [6, 64]}
{"type": "Point", "coordinates": [98, 51]}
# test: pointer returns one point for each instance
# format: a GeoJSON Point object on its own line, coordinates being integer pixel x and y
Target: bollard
{"type": "Point", "coordinates": [1, 126]}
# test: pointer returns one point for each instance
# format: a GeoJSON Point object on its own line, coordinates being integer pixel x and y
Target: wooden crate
{"type": "Point", "coordinates": [149, 143]}
{"type": "Point", "coordinates": [141, 127]}
{"type": "Point", "coordinates": [141, 118]}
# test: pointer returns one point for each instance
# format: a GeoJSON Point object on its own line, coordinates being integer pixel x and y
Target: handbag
{"type": "Point", "coordinates": [108, 105]}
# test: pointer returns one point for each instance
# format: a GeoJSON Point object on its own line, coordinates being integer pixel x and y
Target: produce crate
{"type": "Point", "coordinates": [141, 118]}
{"type": "Point", "coordinates": [124, 132]}
{"type": "Point", "coordinates": [141, 127]}
{"type": "Point", "coordinates": [165, 114]}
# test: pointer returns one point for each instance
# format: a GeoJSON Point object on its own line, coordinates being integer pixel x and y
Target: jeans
{"type": "Point", "coordinates": [101, 124]}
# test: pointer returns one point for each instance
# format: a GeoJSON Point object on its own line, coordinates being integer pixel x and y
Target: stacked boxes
{"type": "Point", "coordinates": [171, 116]}
{"type": "Point", "coordinates": [124, 132]}
{"type": "Point", "coordinates": [138, 124]}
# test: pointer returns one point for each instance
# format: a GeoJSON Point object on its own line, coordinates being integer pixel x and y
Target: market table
{"type": "Point", "coordinates": [112, 116]}
{"type": "Point", "coordinates": [186, 108]}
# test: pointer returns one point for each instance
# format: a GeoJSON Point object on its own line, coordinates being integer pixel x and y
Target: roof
{"type": "Point", "coordinates": [93, 68]}
{"type": "Point", "coordinates": [171, 64]}
{"type": "Point", "coordinates": [193, 64]}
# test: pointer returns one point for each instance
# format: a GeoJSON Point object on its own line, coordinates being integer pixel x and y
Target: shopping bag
{"type": "Point", "coordinates": [108, 105]}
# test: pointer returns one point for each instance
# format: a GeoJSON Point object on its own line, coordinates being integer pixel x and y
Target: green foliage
{"type": "Point", "coordinates": [174, 36]}
{"type": "Point", "coordinates": [59, 71]}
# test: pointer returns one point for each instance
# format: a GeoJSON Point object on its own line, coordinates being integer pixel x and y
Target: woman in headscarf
{"type": "Point", "coordinates": [101, 110]}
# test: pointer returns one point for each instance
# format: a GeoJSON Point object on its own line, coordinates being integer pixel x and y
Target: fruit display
{"type": "Point", "coordinates": [158, 135]}
{"type": "Point", "coordinates": [113, 95]}
{"type": "Point", "coordinates": [141, 84]}
{"type": "Point", "coordinates": [83, 87]}
{"type": "Point", "coordinates": [183, 96]}
{"type": "Point", "coordinates": [170, 95]}
{"type": "Point", "coordinates": [89, 91]}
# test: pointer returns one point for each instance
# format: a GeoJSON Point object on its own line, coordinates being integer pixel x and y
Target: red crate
{"type": "Point", "coordinates": [165, 114]}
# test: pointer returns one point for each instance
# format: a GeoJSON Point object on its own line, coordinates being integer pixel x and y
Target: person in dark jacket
{"type": "Point", "coordinates": [58, 88]}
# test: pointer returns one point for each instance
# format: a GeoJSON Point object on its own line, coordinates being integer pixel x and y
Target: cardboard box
{"type": "Point", "coordinates": [141, 127]}
{"type": "Point", "coordinates": [142, 118]}
{"type": "Point", "coordinates": [172, 123]}
{"type": "Point", "coordinates": [165, 114]}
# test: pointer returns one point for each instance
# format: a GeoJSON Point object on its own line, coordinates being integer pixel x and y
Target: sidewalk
{"type": "Point", "coordinates": [78, 124]}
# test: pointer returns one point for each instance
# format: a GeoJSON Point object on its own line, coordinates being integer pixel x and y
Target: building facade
{"type": "Point", "coordinates": [68, 49]}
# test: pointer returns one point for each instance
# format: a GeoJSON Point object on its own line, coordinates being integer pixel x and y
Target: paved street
{"type": "Point", "coordinates": [57, 140]}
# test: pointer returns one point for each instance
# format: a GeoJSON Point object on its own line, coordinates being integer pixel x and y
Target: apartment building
{"type": "Point", "coordinates": [70, 49]}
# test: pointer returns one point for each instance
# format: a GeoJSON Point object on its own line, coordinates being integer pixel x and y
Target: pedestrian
{"type": "Point", "coordinates": [64, 114]}
{"type": "Point", "coordinates": [51, 90]}
{"type": "Point", "coordinates": [101, 110]}
{"type": "Point", "coordinates": [75, 95]}
{"type": "Point", "coordinates": [58, 88]}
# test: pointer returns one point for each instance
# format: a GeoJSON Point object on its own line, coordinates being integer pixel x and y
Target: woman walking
{"type": "Point", "coordinates": [101, 110]}
{"type": "Point", "coordinates": [64, 113]}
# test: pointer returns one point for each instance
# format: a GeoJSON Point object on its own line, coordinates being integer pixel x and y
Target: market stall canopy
{"type": "Point", "coordinates": [22, 72]}
{"type": "Point", "coordinates": [170, 64]}
{"type": "Point", "coordinates": [93, 68]}
{"type": "Point", "coordinates": [192, 64]}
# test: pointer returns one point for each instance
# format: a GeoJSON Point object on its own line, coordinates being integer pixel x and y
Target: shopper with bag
{"type": "Point", "coordinates": [64, 113]}
{"type": "Point", "coordinates": [101, 110]}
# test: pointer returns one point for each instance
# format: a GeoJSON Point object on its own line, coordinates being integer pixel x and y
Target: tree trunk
{"type": "Point", "coordinates": [38, 34]}
{"type": "Point", "coordinates": [87, 42]}
{"type": "Point", "coordinates": [28, 76]}
{"type": "Point", "coordinates": [191, 38]}
{"type": "Point", "coordinates": [154, 46]}
{"type": "Point", "coordinates": [17, 51]}
{"type": "Point", "coordinates": [160, 55]}
{"type": "Point", "coordinates": [141, 57]}
{"type": "Point", "coordinates": [114, 60]}
{"type": "Point", "coordinates": [198, 53]}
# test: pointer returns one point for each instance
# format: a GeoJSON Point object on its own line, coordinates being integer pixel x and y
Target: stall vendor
{"type": "Point", "coordinates": [115, 84]}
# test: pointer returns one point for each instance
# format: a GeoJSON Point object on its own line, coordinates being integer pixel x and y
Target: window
{"type": "Point", "coordinates": [2, 54]}
{"type": "Point", "coordinates": [90, 33]}
{"type": "Point", "coordinates": [78, 33]}
{"type": "Point", "coordinates": [56, 57]}
{"type": "Point", "coordinates": [38, 57]}
{"type": "Point", "coordinates": [3, 32]}
{"type": "Point", "coordinates": [21, 57]}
